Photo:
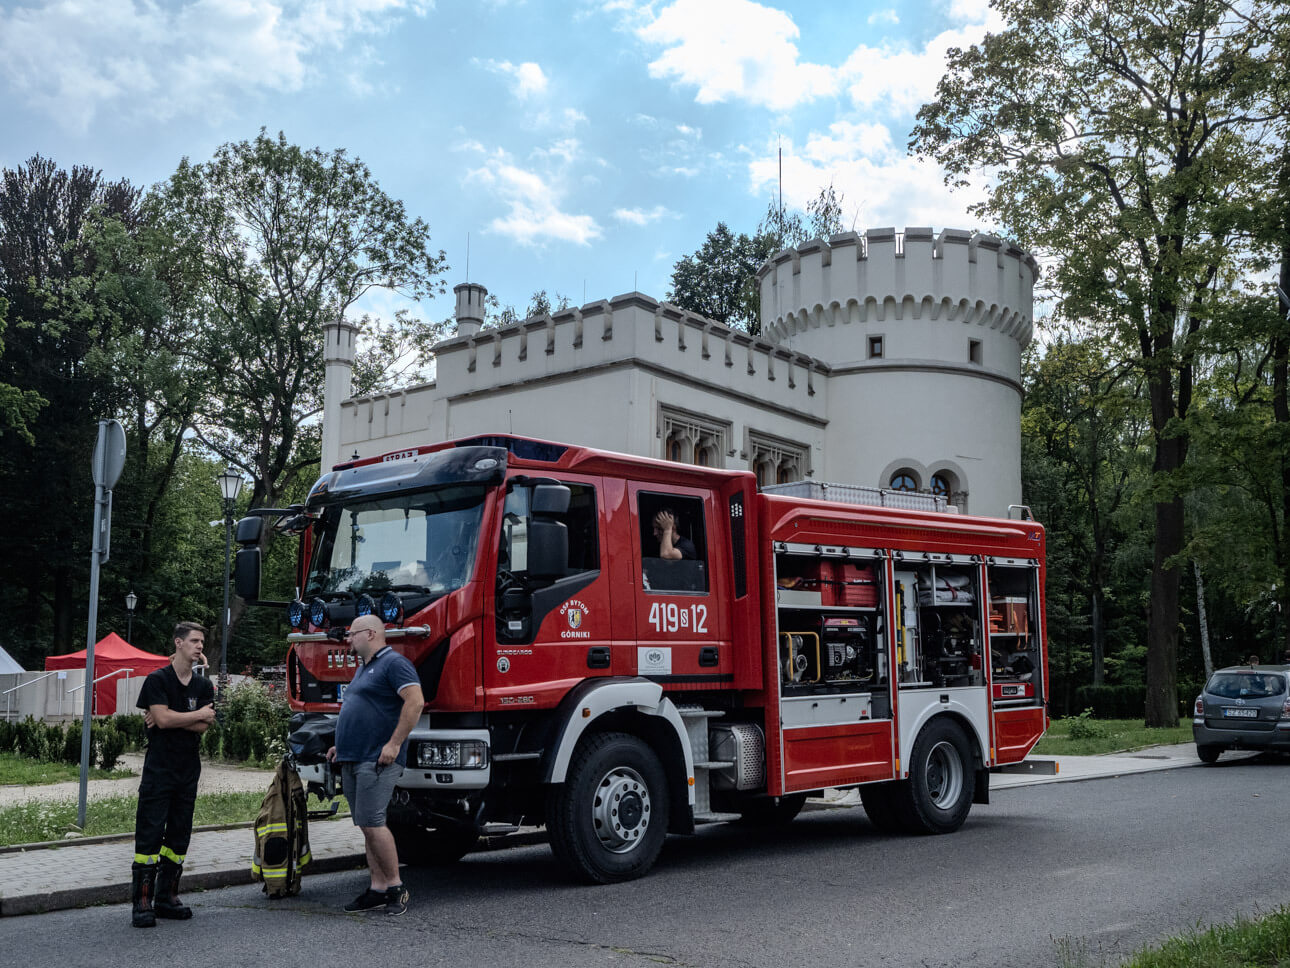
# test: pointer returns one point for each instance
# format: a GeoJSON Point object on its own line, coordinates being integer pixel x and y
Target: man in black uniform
{"type": "Point", "coordinates": [179, 707]}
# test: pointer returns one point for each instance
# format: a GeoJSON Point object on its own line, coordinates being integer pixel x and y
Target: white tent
{"type": "Point", "coordinates": [7, 663]}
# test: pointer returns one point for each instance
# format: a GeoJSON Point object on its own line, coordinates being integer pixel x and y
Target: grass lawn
{"type": "Point", "coordinates": [1077, 736]}
{"type": "Point", "coordinates": [35, 821]}
{"type": "Point", "coordinates": [18, 770]}
{"type": "Point", "coordinates": [1254, 943]}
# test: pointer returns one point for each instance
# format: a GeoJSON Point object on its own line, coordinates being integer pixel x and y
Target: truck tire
{"type": "Point", "coordinates": [608, 820]}
{"type": "Point", "coordinates": [938, 794]}
{"type": "Point", "coordinates": [425, 847]}
{"type": "Point", "coordinates": [880, 805]}
{"type": "Point", "coordinates": [772, 811]}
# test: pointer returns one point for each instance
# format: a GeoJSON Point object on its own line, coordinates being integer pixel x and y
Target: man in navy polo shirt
{"type": "Point", "coordinates": [381, 706]}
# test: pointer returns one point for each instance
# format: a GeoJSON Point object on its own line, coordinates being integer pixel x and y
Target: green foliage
{"type": "Point", "coordinates": [19, 771]}
{"type": "Point", "coordinates": [1084, 726]}
{"type": "Point", "coordinates": [252, 726]}
{"type": "Point", "coordinates": [38, 821]}
{"type": "Point", "coordinates": [1113, 702]}
{"type": "Point", "coordinates": [109, 743]}
{"type": "Point", "coordinates": [1099, 736]}
{"type": "Point", "coordinates": [133, 729]}
{"type": "Point", "coordinates": [1262, 942]}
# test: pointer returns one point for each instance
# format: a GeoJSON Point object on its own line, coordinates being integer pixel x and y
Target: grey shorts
{"type": "Point", "coordinates": [368, 787]}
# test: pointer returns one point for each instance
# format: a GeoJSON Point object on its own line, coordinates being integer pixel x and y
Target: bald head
{"type": "Point", "coordinates": [366, 636]}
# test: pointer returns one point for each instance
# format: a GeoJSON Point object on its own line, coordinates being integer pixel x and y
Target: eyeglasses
{"type": "Point", "coordinates": [350, 633]}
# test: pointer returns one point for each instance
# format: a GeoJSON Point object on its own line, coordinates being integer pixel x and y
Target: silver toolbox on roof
{"type": "Point", "coordinates": [859, 494]}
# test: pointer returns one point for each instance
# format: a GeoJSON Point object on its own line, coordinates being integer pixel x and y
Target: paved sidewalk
{"type": "Point", "coordinates": [97, 871]}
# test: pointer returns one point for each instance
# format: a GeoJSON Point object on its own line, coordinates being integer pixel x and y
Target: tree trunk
{"type": "Point", "coordinates": [1204, 622]}
{"type": "Point", "coordinates": [1162, 630]}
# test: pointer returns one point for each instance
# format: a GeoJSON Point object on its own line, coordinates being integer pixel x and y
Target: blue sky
{"type": "Point", "coordinates": [583, 146]}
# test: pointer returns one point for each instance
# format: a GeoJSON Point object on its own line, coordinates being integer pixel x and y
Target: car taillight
{"type": "Point", "coordinates": [1285, 709]}
{"type": "Point", "coordinates": [1200, 707]}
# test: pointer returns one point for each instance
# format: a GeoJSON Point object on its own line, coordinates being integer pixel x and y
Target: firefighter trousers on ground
{"type": "Point", "coordinates": [282, 834]}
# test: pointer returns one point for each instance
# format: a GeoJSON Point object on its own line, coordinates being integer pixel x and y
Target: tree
{"type": "Point", "coordinates": [719, 280]}
{"type": "Point", "coordinates": [49, 370]}
{"type": "Point", "coordinates": [1123, 139]}
{"type": "Point", "coordinates": [17, 406]}
{"type": "Point", "coordinates": [282, 239]}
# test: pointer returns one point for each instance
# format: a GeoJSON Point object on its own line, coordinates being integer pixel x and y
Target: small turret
{"type": "Point", "coordinates": [470, 307]}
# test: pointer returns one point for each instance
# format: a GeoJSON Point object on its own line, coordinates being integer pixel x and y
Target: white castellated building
{"type": "Point", "coordinates": [885, 359]}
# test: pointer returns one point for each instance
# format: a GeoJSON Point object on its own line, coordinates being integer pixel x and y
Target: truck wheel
{"type": "Point", "coordinates": [1208, 754]}
{"type": "Point", "coordinates": [424, 847]}
{"type": "Point", "coordinates": [880, 805]}
{"type": "Point", "coordinates": [938, 793]}
{"type": "Point", "coordinates": [608, 820]}
{"type": "Point", "coordinates": [772, 811]}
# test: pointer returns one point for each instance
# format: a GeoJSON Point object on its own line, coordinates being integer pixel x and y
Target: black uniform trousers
{"type": "Point", "coordinates": [163, 824]}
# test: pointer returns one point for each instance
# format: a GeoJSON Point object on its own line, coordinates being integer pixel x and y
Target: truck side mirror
{"type": "Point", "coordinates": [249, 531]}
{"type": "Point", "coordinates": [550, 499]}
{"type": "Point", "coordinates": [548, 549]}
{"type": "Point", "coordinates": [246, 570]}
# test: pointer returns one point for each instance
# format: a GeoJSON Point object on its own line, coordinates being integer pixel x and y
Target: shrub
{"type": "Point", "coordinates": [109, 741]}
{"type": "Point", "coordinates": [71, 745]}
{"type": "Point", "coordinates": [255, 724]}
{"type": "Point", "coordinates": [32, 742]}
{"type": "Point", "coordinates": [8, 736]}
{"type": "Point", "coordinates": [1113, 702]}
{"type": "Point", "coordinates": [132, 730]}
{"type": "Point", "coordinates": [1084, 726]}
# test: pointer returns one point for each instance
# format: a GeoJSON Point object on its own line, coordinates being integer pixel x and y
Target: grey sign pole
{"type": "Point", "coordinates": [109, 459]}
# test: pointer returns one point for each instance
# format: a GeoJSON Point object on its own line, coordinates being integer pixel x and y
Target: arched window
{"type": "Point", "coordinates": [941, 486]}
{"type": "Point", "coordinates": [903, 480]}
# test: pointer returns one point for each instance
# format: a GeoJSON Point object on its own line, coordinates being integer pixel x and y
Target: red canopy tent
{"type": "Point", "coordinates": [111, 654]}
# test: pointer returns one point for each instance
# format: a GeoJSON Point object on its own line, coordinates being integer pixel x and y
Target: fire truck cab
{"type": "Point", "coordinates": [618, 648]}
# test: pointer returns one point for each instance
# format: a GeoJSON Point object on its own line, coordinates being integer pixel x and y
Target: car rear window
{"type": "Point", "coordinates": [1246, 685]}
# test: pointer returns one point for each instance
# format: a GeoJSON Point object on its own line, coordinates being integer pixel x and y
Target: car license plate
{"type": "Point", "coordinates": [1240, 712]}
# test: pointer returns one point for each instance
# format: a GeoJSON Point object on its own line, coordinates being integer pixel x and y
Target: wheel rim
{"type": "Point", "coordinates": [944, 775]}
{"type": "Point", "coordinates": [620, 811]}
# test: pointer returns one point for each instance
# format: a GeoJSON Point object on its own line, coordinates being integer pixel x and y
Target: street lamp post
{"type": "Point", "coordinates": [131, 600]}
{"type": "Point", "coordinates": [230, 485]}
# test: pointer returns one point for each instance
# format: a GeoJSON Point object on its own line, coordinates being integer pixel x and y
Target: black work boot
{"type": "Point", "coordinates": [142, 886]}
{"type": "Point", "coordinates": [167, 903]}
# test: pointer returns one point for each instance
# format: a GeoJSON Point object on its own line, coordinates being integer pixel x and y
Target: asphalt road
{"type": "Point", "coordinates": [1097, 868]}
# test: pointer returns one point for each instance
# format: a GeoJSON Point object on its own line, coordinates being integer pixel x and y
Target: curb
{"type": "Point", "coordinates": [209, 880]}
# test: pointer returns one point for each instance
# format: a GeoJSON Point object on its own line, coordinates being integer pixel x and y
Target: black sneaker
{"type": "Point", "coordinates": [367, 901]}
{"type": "Point", "coordinates": [396, 900]}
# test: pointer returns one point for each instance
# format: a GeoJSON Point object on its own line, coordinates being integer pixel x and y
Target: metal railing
{"type": "Point", "coordinates": [6, 693]}
{"type": "Point", "coordinates": [114, 672]}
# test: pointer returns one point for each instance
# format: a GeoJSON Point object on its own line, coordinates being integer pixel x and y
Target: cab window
{"type": "Point", "coordinates": [580, 521]}
{"type": "Point", "coordinates": [673, 541]}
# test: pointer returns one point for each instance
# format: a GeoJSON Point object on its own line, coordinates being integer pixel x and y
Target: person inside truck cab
{"type": "Point", "coordinates": [671, 545]}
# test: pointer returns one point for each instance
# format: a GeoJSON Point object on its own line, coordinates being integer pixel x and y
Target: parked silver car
{"type": "Point", "coordinates": [1243, 708]}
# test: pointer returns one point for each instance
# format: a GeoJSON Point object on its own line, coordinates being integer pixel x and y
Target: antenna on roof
{"type": "Point", "coordinates": [781, 183]}
{"type": "Point", "coordinates": [468, 257]}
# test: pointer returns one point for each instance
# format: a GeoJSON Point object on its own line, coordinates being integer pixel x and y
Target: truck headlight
{"type": "Point", "coordinates": [452, 754]}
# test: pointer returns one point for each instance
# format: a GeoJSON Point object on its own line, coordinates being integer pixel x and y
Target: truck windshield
{"type": "Point", "coordinates": [415, 542]}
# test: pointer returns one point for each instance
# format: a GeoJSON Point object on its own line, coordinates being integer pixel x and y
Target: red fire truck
{"type": "Point", "coordinates": [574, 677]}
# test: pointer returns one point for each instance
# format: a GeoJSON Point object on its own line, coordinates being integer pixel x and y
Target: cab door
{"type": "Point", "coordinates": [547, 635]}
{"type": "Point", "coordinates": [682, 629]}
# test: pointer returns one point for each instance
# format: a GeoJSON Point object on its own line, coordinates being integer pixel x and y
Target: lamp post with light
{"type": "Point", "coordinates": [230, 486]}
{"type": "Point", "coordinates": [131, 600]}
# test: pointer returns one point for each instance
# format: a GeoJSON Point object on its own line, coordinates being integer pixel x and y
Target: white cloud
{"type": "Point", "coordinates": [885, 17]}
{"type": "Point", "coordinates": [637, 216]}
{"type": "Point", "coordinates": [883, 188]}
{"type": "Point", "coordinates": [73, 60]}
{"type": "Point", "coordinates": [533, 202]}
{"type": "Point", "coordinates": [527, 79]}
{"type": "Point", "coordinates": [734, 49]}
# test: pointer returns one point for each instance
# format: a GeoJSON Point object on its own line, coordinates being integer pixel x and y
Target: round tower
{"type": "Point", "coordinates": [923, 337]}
